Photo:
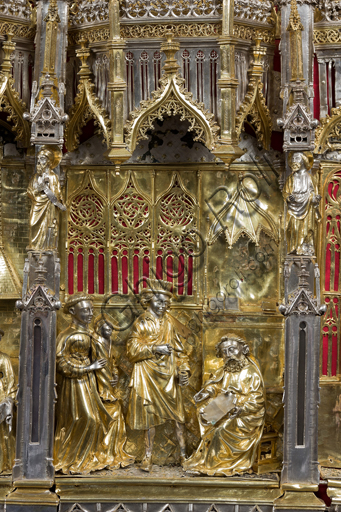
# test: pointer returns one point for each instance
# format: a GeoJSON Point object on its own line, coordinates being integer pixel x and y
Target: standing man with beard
{"type": "Point", "coordinates": [231, 433]}
{"type": "Point", "coordinates": [45, 194]}
{"type": "Point", "coordinates": [161, 368]}
{"type": "Point", "coordinates": [303, 202]}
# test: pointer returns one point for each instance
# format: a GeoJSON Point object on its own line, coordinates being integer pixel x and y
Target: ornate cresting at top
{"type": "Point", "coordinates": [171, 98]}
{"type": "Point", "coordinates": [98, 11]}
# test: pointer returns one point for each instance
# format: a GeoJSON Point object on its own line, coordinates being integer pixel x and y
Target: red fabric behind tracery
{"type": "Point", "coordinates": [70, 273]}
{"type": "Point", "coordinates": [114, 275]}
{"type": "Point", "coordinates": [101, 272]}
{"type": "Point", "coordinates": [316, 89]}
{"type": "Point", "coordinates": [91, 272]}
{"type": "Point", "coordinates": [80, 271]}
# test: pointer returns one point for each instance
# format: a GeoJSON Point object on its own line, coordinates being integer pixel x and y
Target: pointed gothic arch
{"type": "Point", "coordinates": [171, 99]}
{"type": "Point", "coordinates": [86, 238]}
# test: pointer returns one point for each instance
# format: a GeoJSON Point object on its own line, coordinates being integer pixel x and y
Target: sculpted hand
{"type": "Point", "coordinates": [234, 412]}
{"type": "Point", "coordinates": [97, 365]}
{"type": "Point", "coordinates": [165, 350]}
{"type": "Point", "coordinates": [202, 395]}
{"type": "Point", "coordinates": [114, 380]}
{"type": "Point", "coordinates": [184, 379]}
{"type": "Point", "coordinates": [317, 199]}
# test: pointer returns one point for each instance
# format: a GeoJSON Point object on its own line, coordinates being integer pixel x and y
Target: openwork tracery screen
{"type": "Point", "coordinates": [113, 243]}
{"type": "Point", "coordinates": [331, 279]}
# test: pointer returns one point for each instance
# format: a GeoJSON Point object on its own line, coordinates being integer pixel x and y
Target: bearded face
{"type": "Point", "coordinates": [296, 162]}
{"type": "Point", "coordinates": [42, 164]}
{"type": "Point", "coordinates": [233, 355]}
{"type": "Point", "coordinates": [233, 366]}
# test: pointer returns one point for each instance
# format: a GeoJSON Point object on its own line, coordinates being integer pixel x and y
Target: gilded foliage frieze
{"type": "Point", "coordinates": [327, 35]}
{"type": "Point", "coordinates": [18, 29]}
{"type": "Point", "coordinates": [158, 30]}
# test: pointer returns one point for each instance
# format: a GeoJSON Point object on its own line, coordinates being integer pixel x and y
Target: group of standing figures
{"type": "Point", "coordinates": [90, 427]}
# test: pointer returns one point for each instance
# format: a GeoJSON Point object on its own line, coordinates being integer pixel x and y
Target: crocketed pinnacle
{"type": "Point", "coordinates": [295, 29]}
{"type": "Point", "coordinates": [294, 21]}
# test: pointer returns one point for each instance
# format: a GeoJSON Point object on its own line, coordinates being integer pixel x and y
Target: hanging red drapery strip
{"type": "Point", "coordinates": [70, 273]}
{"type": "Point", "coordinates": [124, 262]}
{"type": "Point", "coordinates": [101, 272]}
{"type": "Point", "coordinates": [91, 272]}
{"type": "Point", "coordinates": [190, 276]}
{"type": "Point", "coordinates": [80, 271]}
{"type": "Point", "coordinates": [114, 273]}
{"type": "Point", "coordinates": [145, 268]}
{"type": "Point", "coordinates": [316, 89]}
{"type": "Point", "coordinates": [136, 272]}
{"type": "Point", "coordinates": [181, 271]}
{"type": "Point", "coordinates": [169, 264]}
{"type": "Point", "coordinates": [159, 266]}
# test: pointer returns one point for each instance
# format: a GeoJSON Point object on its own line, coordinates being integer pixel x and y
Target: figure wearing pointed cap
{"type": "Point", "coordinates": [161, 367]}
{"type": "Point", "coordinates": [86, 431]}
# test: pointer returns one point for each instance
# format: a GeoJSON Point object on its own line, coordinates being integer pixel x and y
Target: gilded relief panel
{"type": "Point", "coordinates": [149, 226]}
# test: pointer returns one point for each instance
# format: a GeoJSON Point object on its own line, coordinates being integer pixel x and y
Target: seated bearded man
{"type": "Point", "coordinates": [231, 430]}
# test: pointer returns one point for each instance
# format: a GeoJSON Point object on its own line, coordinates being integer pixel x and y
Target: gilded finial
{"type": "Point", "coordinates": [294, 20]}
{"type": "Point", "coordinates": [83, 53]}
{"type": "Point", "coordinates": [8, 48]}
{"type": "Point", "coordinates": [170, 47]}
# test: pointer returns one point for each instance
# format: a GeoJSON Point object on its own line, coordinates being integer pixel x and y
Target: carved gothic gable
{"type": "Point", "coordinates": [302, 303]}
{"type": "Point", "coordinates": [171, 99]}
{"type": "Point", "coordinates": [40, 300]}
{"type": "Point", "coordinates": [297, 119]}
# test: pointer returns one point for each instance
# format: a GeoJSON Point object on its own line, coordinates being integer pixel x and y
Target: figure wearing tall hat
{"type": "Point", "coordinates": [161, 368]}
{"type": "Point", "coordinates": [86, 433]}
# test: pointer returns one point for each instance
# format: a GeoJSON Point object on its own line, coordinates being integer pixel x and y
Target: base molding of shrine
{"type": "Point", "coordinates": [110, 494]}
{"type": "Point", "coordinates": [33, 494]}
{"type": "Point", "coordinates": [299, 500]}
{"type": "Point", "coordinates": [334, 492]}
{"type": "Point", "coordinates": [176, 490]}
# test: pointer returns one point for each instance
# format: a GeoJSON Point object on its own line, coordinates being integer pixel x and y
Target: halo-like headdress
{"type": "Point", "coordinates": [157, 286]}
{"type": "Point", "coordinates": [53, 153]}
{"type": "Point", "coordinates": [309, 158]}
{"type": "Point", "coordinates": [74, 299]}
